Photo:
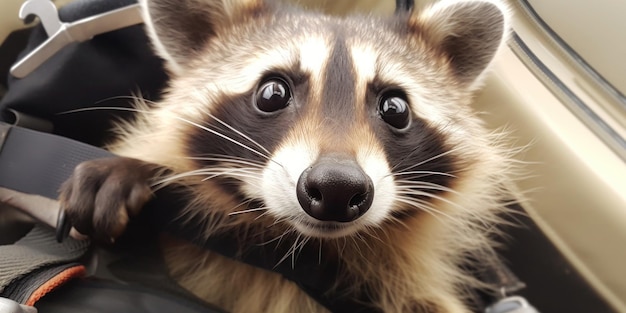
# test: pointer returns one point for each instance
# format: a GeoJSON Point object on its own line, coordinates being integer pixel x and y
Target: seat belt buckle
{"type": "Point", "coordinates": [9, 306]}
{"type": "Point", "coordinates": [513, 304]}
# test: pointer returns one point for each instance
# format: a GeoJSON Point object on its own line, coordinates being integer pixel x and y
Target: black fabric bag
{"type": "Point", "coordinates": [105, 71]}
{"type": "Point", "coordinates": [102, 72]}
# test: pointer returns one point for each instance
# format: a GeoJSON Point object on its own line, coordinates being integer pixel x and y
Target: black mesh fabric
{"type": "Point", "coordinates": [35, 255]}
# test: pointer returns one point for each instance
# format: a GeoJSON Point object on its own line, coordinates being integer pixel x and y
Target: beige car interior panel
{"type": "Point", "coordinates": [574, 182]}
{"type": "Point", "coordinates": [584, 81]}
{"type": "Point", "coordinates": [595, 29]}
{"type": "Point", "coordinates": [341, 7]}
{"type": "Point", "coordinates": [9, 20]}
{"type": "Point", "coordinates": [579, 182]}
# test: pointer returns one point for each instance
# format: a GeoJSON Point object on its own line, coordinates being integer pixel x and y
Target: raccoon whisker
{"type": "Point", "coordinates": [242, 203]}
{"type": "Point", "coordinates": [293, 249]}
{"type": "Point", "coordinates": [270, 241]}
{"type": "Point", "coordinates": [357, 247]}
{"type": "Point", "coordinates": [278, 220]}
{"type": "Point", "coordinates": [220, 171]}
{"type": "Point", "coordinates": [229, 161]}
{"type": "Point", "coordinates": [283, 236]}
{"type": "Point", "coordinates": [421, 193]}
{"type": "Point", "coordinates": [249, 170]}
{"type": "Point", "coordinates": [425, 203]}
{"type": "Point", "coordinates": [398, 221]}
{"type": "Point", "coordinates": [243, 177]}
{"type": "Point", "coordinates": [128, 97]}
{"type": "Point", "coordinates": [424, 161]}
{"type": "Point", "coordinates": [425, 191]}
{"type": "Point", "coordinates": [289, 252]}
{"type": "Point", "coordinates": [242, 160]}
{"type": "Point", "coordinates": [247, 211]}
{"type": "Point", "coordinates": [343, 248]}
{"type": "Point", "coordinates": [370, 232]}
{"type": "Point", "coordinates": [212, 172]}
{"type": "Point", "coordinates": [219, 134]}
{"type": "Point", "coordinates": [212, 131]}
{"type": "Point", "coordinates": [103, 108]}
{"type": "Point", "coordinates": [164, 181]}
{"type": "Point", "coordinates": [231, 174]}
{"type": "Point", "coordinates": [364, 241]}
{"type": "Point", "coordinates": [425, 207]}
{"type": "Point", "coordinates": [302, 244]}
{"type": "Point", "coordinates": [422, 174]}
{"type": "Point", "coordinates": [383, 232]}
{"type": "Point", "coordinates": [262, 214]}
{"type": "Point", "coordinates": [230, 157]}
{"type": "Point", "coordinates": [238, 132]}
{"type": "Point", "coordinates": [319, 255]}
{"type": "Point", "coordinates": [408, 185]}
{"type": "Point", "coordinates": [414, 192]}
{"type": "Point", "coordinates": [215, 132]}
{"type": "Point", "coordinates": [275, 238]}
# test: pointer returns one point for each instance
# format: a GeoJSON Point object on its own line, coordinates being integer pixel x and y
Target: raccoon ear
{"type": "Point", "coordinates": [468, 32]}
{"type": "Point", "coordinates": [179, 29]}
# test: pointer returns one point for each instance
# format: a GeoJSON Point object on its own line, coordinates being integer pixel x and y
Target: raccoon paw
{"type": "Point", "coordinates": [102, 195]}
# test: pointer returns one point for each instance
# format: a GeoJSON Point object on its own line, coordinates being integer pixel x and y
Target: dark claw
{"type": "Point", "coordinates": [63, 226]}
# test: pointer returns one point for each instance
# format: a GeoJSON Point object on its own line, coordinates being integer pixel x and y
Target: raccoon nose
{"type": "Point", "coordinates": [335, 190]}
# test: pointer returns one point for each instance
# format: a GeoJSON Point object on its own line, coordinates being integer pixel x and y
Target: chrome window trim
{"type": "Point", "coordinates": [572, 99]}
{"type": "Point", "coordinates": [565, 94]}
{"type": "Point", "coordinates": [571, 55]}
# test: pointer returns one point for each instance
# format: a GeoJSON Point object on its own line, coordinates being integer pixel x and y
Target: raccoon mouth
{"type": "Point", "coordinates": [325, 229]}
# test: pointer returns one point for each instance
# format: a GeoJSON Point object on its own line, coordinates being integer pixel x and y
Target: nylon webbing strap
{"type": "Point", "coordinates": [38, 163]}
{"type": "Point", "coordinates": [34, 260]}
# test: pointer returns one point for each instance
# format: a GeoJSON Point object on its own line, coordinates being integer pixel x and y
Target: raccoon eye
{"type": "Point", "coordinates": [394, 110]}
{"type": "Point", "coordinates": [273, 95]}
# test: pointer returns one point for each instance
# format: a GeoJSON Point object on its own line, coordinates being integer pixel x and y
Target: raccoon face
{"type": "Point", "coordinates": [335, 125]}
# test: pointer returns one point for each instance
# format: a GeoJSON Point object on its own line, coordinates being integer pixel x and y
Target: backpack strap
{"type": "Point", "coordinates": [37, 264]}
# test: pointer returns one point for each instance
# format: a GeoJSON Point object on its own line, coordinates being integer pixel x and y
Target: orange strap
{"type": "Point", "coordinates": [55, 282]}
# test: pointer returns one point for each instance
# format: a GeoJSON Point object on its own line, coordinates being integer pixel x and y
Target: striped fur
{"type": "Point", "coordinates": [439, 185]}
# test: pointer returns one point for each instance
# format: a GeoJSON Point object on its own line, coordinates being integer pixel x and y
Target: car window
{"type": "Point", "coordinates": [592, 29]}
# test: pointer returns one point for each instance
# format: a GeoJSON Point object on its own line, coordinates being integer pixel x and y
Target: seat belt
{"type": "Point", "coordinates": [38, 163]}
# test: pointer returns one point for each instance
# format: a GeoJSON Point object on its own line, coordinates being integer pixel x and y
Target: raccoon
{"type": "Point", "coordinates": [348, 136]}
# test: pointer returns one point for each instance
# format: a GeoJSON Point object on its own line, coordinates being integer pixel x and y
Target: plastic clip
{"type": "Point", "coordinates": [61, 34]}
{"type": "Point", "coordinates": [514, 304]}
